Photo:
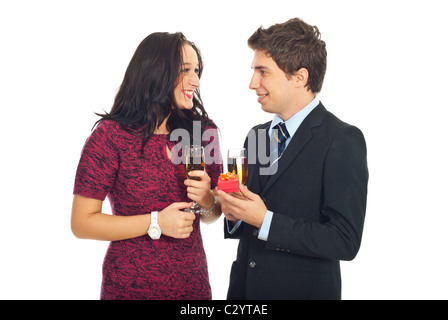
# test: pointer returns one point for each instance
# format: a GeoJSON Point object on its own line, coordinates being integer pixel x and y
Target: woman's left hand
{"type": "Point", "coordinates": [199, 190]}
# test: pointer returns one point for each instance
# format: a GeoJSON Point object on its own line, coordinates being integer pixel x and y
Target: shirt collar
{"type": "Point", "coordinates": [293, 123]}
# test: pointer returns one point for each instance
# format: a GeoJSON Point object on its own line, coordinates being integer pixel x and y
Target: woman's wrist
{"type": "Point", "coordinates": [207, 211]}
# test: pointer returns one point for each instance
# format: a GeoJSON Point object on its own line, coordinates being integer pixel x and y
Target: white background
{"type": "Point", "coordinates": [61, 61]}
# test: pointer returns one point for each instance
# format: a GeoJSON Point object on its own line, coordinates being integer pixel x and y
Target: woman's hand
{"type": "Point", "coordinates": [176, 223]}
{"type": "Point", "coordinates": [199, 190]}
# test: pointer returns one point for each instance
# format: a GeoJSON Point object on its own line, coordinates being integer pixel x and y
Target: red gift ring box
{"type": "Point", "coordinates": [228, 182]}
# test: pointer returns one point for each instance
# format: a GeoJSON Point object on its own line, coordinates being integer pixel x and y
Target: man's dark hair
{"type": "Point", "coordinates": [293, 45]}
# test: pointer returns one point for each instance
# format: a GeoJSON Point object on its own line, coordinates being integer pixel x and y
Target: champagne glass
{"type": "Point", "coordinates": [237, 163]}
{"type": "Point", "coordinates": [194, 160]}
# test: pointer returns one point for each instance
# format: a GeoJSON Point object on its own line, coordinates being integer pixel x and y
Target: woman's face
{"type": "Point", "coordinates": [188, 80]}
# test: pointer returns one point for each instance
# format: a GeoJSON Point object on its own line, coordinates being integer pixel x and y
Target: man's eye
{"type": "Point", "coordinates": [196, 71]}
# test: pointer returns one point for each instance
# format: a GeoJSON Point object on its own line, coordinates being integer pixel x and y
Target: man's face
{"type": "Point", "coordinates": [274, 90]}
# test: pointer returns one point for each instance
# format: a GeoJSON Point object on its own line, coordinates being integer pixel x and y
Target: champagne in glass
{"type": "Point", "coordinates": [237, 163]}
{"type": "Point", "coordinates": [194, 160]}
{"type": "Point", "coordinates": [194, 163]}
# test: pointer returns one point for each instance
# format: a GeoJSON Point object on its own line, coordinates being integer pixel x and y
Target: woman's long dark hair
{"type": "Point", "coordinates": [146, 96]}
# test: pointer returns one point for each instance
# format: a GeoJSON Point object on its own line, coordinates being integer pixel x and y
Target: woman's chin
{"type": "Point", "coordinates": [186, 107]}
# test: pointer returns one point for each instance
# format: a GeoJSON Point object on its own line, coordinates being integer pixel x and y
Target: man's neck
{"type": "Point", "coordinates": [298, 105]}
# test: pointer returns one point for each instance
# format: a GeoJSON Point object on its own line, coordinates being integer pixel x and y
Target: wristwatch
{"type": "Point", "coordinates": [154, 230]}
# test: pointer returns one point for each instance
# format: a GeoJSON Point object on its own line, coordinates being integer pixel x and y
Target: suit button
{"type": "Point", "coordinates": [255, 233]}
{"type": "Point", "coordinates": [252, 264]}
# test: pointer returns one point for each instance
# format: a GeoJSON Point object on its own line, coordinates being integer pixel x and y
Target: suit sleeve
{"type": "Point", "coordinates": [338, 233]}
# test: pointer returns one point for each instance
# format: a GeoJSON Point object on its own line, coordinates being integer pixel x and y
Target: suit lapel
{"type": "Point", "coordinates": [301, 137]}
{"type": "Point", "coordinates": [263, 178]}
{"type": "Point", "coordinates": [255, 181]}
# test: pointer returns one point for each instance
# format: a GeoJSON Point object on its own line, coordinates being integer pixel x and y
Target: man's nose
{"type": "Point", "coordinates": [254, 82]}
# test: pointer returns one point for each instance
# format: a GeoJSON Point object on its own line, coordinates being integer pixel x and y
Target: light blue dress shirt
{"type": "Point", "coordinates": [292, 124]}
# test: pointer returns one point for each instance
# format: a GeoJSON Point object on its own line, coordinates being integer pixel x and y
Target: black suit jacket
{"type": "Point", "coordinates": [318, 196]}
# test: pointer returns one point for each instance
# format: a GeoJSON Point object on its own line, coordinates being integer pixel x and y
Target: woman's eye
{"type": "Point", "coordinates": [196, 70]}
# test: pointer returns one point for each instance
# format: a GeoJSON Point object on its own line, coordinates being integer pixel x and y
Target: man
{"type": "Point", "coordinates": [296, 224]}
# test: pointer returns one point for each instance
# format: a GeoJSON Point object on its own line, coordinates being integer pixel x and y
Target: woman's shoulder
{"type": "Point", "coordinates": [210, 124]}
{"type": "Point", "coordinates": [113, 129]}
{"type": "Point", "coordinates": [107, 125]}
{"type": "Point", "coordinates": [112, 133]}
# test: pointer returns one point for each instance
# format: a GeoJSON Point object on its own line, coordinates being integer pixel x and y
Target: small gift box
{"type": "Point", "coordinates": [228, 182]}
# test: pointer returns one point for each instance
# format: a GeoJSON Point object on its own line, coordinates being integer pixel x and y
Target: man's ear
{"type": "Point", "coordinates": [301, 78]}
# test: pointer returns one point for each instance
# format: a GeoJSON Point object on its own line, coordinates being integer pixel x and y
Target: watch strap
{"type": "Point", "coordinates": [154, 217]}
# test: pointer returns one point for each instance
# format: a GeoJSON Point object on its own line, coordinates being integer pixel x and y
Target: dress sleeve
{"type": "Point", "coordinates": [98, 165]}
{"type": "Point", "coordinates": [213, 156]}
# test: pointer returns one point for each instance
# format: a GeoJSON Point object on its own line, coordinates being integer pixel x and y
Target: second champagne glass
{"type": "Point", "coordinates": [194, 160]}
{"type": "Point", "coordinates": [237, 163]}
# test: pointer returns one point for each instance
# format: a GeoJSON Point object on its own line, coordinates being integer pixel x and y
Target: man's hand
{"type": "Point", "coordinates": [246, 206]}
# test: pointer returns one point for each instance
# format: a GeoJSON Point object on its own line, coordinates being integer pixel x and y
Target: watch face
{"type": "Point", "coordinates": [154, 232]}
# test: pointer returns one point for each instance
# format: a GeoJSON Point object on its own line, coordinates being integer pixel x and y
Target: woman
{"type": "Point", "coordinates": [127, 157]}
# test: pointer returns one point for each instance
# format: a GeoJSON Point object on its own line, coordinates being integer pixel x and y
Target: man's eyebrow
{"type": "Point", "coordinates": [260, 68]}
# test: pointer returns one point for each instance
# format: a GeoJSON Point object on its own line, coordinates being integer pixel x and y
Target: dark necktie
{"type": "Point", "coordinates": [281, 134]}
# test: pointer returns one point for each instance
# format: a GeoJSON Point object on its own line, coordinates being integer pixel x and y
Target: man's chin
{"type": "Point", "coordinates": [267, 108]}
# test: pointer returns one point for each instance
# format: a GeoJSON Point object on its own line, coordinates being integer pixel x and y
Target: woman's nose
{"type": "Point", "coordinates": [194, 80]}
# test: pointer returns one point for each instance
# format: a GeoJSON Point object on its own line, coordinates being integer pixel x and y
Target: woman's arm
{"type": "Point", "coordinates": [88, 222]}
{"type": "Point", "coordinates": [216, 211]}
{"type": "Point", "coordinates": [200, 192]}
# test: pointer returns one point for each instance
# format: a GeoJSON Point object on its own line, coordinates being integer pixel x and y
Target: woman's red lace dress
{"type": "Point", "coordinates": [112, 165]}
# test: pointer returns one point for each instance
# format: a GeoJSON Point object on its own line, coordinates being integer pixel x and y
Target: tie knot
{"type": "Point", "coordinates": [282, 133]}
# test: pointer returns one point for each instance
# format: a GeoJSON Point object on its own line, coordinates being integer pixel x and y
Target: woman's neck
{"type": "Point", "coordinates": [162, 129]}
